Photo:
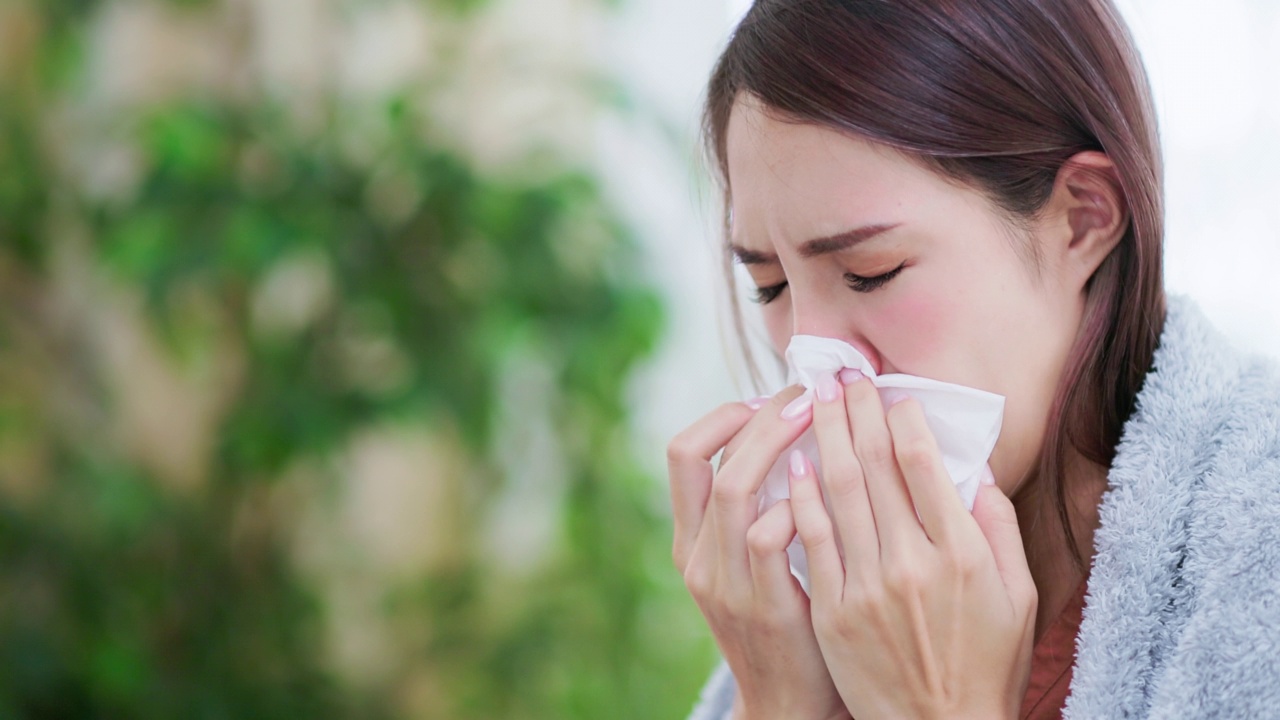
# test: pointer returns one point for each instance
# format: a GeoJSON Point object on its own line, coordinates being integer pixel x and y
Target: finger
{"type": "Point", "coordinates": [999, 524]}
{"type": "Point", "coordinates": [932, 492]}
{"type": "Point", "coordinates": [843, 481]}
{"type": "Point", "coordinates": [733, 491]}
{"type": "Point", "coordinates": [896, 525]}
{"type": "Point", "coordinates": [773, 405]}
{"type": "Point", "coordinates": [767, 542]}
{"type": "Point", "coordinates": [689, 471]}
{"type": "Point", "coordinates": [817, 534]}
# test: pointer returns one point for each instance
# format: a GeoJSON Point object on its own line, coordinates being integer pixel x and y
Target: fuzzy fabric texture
{"type": "Point", "coordinates": [1182, 613]}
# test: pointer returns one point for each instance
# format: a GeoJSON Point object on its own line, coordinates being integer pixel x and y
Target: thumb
{"type": "Point", "coordinates": [999, 524]}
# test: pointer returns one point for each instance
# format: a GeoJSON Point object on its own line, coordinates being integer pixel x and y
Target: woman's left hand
{"type": "Point", "coordinates": [928, 617]}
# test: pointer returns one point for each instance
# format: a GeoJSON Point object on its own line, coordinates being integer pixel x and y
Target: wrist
{"type": "Point", "coordinates": [994, 715]}
{"type": "Point", "coordinates": [742, 712]}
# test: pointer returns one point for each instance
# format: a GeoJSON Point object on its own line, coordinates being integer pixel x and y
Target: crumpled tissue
{"type": "Point", "coordinates": [965, 421]}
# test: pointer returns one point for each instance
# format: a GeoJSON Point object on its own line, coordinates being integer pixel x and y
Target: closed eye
{"type": "Point", "coordinates": [862, 284]}
{"type": "Point", "coordinates": [858, 283]}
{"type": "Point", "coordinates": [769, 293]}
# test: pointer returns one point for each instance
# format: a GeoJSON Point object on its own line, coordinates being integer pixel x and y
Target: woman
{"type": "Point", "coordinates": [970, 191]}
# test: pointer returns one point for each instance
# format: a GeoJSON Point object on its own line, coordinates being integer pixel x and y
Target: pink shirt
{"type": "Point", "coordinates": [1051, 663]}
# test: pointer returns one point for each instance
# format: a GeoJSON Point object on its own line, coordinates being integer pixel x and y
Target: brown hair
{"type": "Point", "coordinates": [998, 94]}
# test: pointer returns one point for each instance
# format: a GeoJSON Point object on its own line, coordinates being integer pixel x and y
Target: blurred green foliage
{"type": "Point", "coordinates": [125, 592]}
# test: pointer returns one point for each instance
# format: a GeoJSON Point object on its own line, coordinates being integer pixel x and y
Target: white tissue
{"type": "Point", "coordinates": [965, 421]}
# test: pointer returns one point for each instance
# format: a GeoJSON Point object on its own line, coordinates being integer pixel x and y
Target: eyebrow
{"type": "Point", "coordinates": [815, 247]}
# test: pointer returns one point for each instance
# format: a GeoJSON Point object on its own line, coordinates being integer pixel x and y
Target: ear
{"type": "Point", "coordinates": [1087, 215]}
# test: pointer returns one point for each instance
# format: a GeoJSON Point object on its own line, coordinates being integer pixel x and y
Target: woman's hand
{"type": "Point", "coordinates": [928, 617]}
{"type": "Point", "coordinates": [734, 560]}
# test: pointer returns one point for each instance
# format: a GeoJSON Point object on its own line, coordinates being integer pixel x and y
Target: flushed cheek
{"type": "Point", "coordinates": [915, 334]}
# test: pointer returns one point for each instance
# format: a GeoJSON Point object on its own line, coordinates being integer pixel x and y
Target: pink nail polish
{"type": "Point", "coordinates": [849, 376]}
{"type": "Point", "coordinates": [757, 403]}
{"type": "Point", "coordinates": [799, 466]}
{"type": "Point", "coordinates": [893, 397]}
{"type": "Point", "coordinates": [827, 388]}
{"type": "Point", "coordinates": [798, 408]}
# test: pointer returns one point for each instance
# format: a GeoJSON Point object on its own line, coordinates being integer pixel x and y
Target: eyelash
{"type": "Point", "coordinates": [857, 283]}
{"type": "Point", "coordinates": [768, 294]}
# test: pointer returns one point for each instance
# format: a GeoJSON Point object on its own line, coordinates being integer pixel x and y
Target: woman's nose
{"type": "Point", "coordinates": [821, 320]}
{"type": "Point", "coordinates": [813, 316]}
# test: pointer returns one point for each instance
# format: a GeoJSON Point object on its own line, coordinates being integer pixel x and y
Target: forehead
{"type": "Point", "coordinates": [790, 178]}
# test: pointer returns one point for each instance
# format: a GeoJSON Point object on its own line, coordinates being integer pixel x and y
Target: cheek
{"type": "Point", "coordinates": [914, 332]}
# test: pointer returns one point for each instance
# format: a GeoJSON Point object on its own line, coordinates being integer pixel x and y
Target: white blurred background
{"type": "Point", "coordinates": [1215, 71]}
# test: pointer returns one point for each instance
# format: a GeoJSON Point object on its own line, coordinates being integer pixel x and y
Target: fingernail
{"type": "Point", "coordinates": [757, 403]}
{"type": "Point", "coordinates": [987, 477]}
{"type": "Point", "coordinates": [893, 397]}
{"type": "Point", "coordinates": [827, 388]}
{"type": "Point", "coordinates": [849, 376]}
{"type": "Point", "coordinates": [797, 408]}
{"type": "Point", "coordinates": [798, 465]}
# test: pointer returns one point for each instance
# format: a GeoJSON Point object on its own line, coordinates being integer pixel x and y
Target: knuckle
{"type": "Point", "coordinates": [681, 449]}
{"type": "Point", "coordinates": [902, 578]}
{"type": "Point", "coordinates": [699, 583]}
{"type": "Point", "coordinates": [964, 562]}
{"type": "Point", "coordinates": [762, 540]}
{"type": "Point", "coordinates": [726, 609]}
{"type": "Point", "coordinates": [816, 535]}
{"type": "Point", "coordinates": [915, 453]}
{"type": "Point", "coordinates": [729, 451]}
{"type": "Point", "coordinates": [726, 493]}
{"type": "Point", "coordinates": [865, 599]}
{"type": "Point", "coordinates": [874, 452]}
{"type": "Point", "coordinates": [842, 478]}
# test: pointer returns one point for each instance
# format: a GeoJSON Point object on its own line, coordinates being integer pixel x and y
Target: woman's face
{"type": "Point", "coordinates": [850, 240]}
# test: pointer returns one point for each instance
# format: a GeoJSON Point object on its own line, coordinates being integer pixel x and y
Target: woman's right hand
{"type": "Point", "coordinates": [734, 559]}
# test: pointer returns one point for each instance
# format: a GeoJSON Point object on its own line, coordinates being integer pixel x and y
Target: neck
{"type": "Point", "coordinates": [1054, 569]}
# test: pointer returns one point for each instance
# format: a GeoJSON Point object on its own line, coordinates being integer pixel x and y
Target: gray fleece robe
{"type": "Point", "coordinates": [1182, 614]}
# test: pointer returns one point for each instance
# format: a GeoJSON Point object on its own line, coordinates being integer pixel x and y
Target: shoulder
{"type": "Point", "coordinates": [1205, 395]}
{"type": "Point", "coordinates": [1183, 608]}
{"type": "Point", "coordinates": [1220, 411]}
{"type": "Point", "coordinates": [1237, 498]}
{"type": "Point", "coordinates": [1197, 468]}
{"type": "Point", "coordinates": [1227, 653]}
{"type": "Point", "coordinates": [1233, 547]}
